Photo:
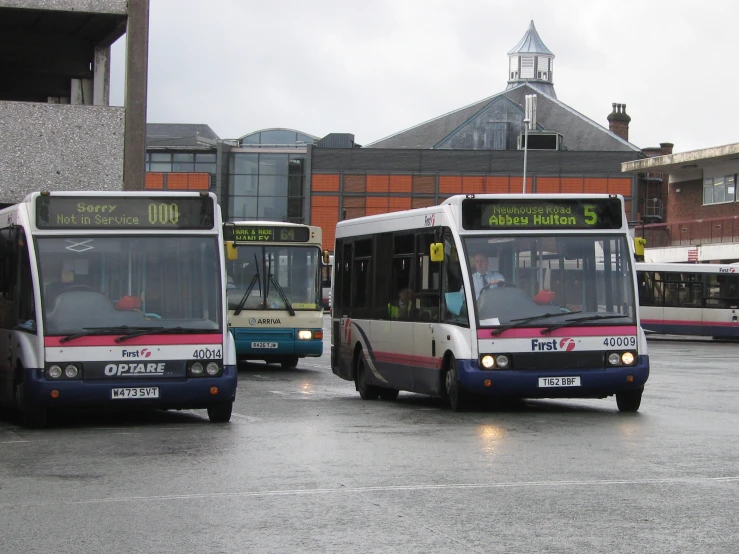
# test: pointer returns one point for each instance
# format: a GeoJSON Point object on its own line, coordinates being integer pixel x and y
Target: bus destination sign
{"type": "Point", "coordinates": [546, 213]}
{"type": "Point", "coordinates": [124, 212]}
{"type": "Point", "coordinates": [265, 233]}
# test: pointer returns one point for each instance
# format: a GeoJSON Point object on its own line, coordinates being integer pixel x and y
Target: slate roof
{"type": "Point", "coordinates": [178, 135]}
{"type": "Point", "coordinates": [578, 131]}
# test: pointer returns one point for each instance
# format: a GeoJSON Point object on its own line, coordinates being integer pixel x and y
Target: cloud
{"type": "Point", "coordinates": [375, 68]}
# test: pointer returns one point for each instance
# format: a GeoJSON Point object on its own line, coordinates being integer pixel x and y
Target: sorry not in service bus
{"type": "Point", "coordinates": [494, 295]}
{"type": "Point", "coordinates": [274, 290]}
{"type": "Point", "coordinates": [114, 300]}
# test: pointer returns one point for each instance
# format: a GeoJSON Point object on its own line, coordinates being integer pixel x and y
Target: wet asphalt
{"type": "Point", "coordinates": [306, 466]}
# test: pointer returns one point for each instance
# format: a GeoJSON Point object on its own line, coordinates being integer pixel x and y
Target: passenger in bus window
{"type": "Point", "coordinates": [483, 277]}
{"type": "Point", "coordinates": [402, 308]}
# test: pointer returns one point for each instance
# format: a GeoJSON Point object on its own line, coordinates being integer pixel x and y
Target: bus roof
{"type": "Point", "coordinates": [457, 211]}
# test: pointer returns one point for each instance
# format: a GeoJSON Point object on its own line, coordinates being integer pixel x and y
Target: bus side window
{"type": "Point", "coordinates": [454, 307]}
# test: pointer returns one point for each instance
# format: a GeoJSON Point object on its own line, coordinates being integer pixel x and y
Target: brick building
{"type": "Point", "coordinates": [700, 222]}
{"type": "Point", "coordinates": [480, 149]}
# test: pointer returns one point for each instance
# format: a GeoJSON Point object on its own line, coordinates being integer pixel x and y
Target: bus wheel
{"type": "Point", "coordinates": [388, 394]}
{"type": "Point", "coordinates": [220, 413]}
{"type": "Point", "coordinates": [290, 362]}
{"type": "Point", "coordinates": [629, 401]}
{"type": "Point", "coordinates": [458, 398]}
{"type": "Point", "coordinates": [366, 391]}
{"type": "Point", "coordinates": [31, 416]}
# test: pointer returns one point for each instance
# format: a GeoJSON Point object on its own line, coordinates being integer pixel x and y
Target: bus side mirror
{"type": "Point", "coordinates": [437, 252]}
{"type": "Point", "coordinates": [326, 258]}
{"type": "Point", "coordinates": [231, 252]}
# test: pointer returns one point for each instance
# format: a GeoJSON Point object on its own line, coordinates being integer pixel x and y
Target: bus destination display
{"type": "Point", "coordinates": [562, 214]}
{"type": "Point", "coordinates": [261, 233]}
{"type": "Point", "coordinates": [124, 212]}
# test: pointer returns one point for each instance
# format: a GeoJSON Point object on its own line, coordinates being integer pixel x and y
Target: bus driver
{"type": "Point", "coordinates": [482, 277]}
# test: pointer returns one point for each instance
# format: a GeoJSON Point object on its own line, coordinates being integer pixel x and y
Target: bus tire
{"type": "Point", "coordinates": [459, 399]}
{"type": "Point", "coordinates": [389, 394]}
{"type": "Point", "coordinates": [366, 391]}
{"type": "Point", "coordinates": [220, 413]}
{"type": "Point", "coordinates": [32, 416]}
{"type": "Point", "coordinates": [629, 401]}
{"type": "Point", "coordinates": [289, 362]}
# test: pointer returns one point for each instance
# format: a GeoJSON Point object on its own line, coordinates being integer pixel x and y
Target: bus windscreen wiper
{"type": "Point", "coordinates": [88, 331]}
{"type": "Point", "coordinates": [570, 322]}
{"type": "Point", "coordinates": [164, 331]}
{"type": "Point", "coordinates": [244, 298]}
{"type": "Point", "coordinates": [282, 294]}
{"type": "Point", "coordinates": [524, 320]}
{"type": "Point", "coordinates": [255, 279]}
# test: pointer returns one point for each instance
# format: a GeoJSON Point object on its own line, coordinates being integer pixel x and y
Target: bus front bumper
{"type": "Point", "coordinates": [594, 382]}
{"type": "Point", "coordinates": [260, 343]}
{"type": "Point", "coordinates": [173, 393]}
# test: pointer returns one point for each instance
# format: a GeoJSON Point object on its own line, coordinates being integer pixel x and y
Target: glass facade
{"type": "Point", "coordinates": [181, 162]}
{"type": "Point", "coordinates": [266, 186]}
{"type": "Point", "coordinates": [281, 137]}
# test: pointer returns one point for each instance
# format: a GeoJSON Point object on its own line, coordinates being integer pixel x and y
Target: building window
{"type": "Point", "coordinates": [266, 186]}
{"type": "Point", "coordinates": [717, 190]}
{"type": "Point", "coordinates": [181, 162]}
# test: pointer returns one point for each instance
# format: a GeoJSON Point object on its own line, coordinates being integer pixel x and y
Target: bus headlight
{"type": "Point", "coordinates": [196, 369]}
{"type": "Point", "coordinates": [628, 358]}
{"type": "Point", "coordinates": [495, 361]}
{"type": "Point", "coordinates": [54, 371]}
{"type": "Point", "coordinates": [305, 335]}
{"type": "Point", "coordinates": [71, 371]}
{"type": "Point", "coordinates": [212, 369]}
{"type": "Point", "coordinates": [614, 359]}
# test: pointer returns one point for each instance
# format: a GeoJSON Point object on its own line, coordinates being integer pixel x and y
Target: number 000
{"type": "Point", "coordinates": [163, 214]}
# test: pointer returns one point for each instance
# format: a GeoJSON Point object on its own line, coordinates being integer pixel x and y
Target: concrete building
{"type": "Point", "coordinates": [700, 220]}
{"type": "Point", "coordinates": [59, 131]}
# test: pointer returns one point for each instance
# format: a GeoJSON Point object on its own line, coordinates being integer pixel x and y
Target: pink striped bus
{"type": "Point", "coordinates": [499, 296]}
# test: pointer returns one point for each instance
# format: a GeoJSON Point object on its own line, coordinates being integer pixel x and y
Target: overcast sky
{"type": "Point", "coordinates": [376, 67]}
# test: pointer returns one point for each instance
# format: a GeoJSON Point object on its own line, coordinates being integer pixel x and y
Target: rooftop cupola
{"type": "Point", "coordinates": [530, 61]}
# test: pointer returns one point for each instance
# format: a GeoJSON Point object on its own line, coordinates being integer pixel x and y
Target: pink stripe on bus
{"type": "Point", "coordinates": [147, 340]}
{"type": "Point", "coordinates": [407, 359]}
{"type": "Point", "coordinates": [535, 332]}
{"type": "Point", "coordinates": [690, 322]}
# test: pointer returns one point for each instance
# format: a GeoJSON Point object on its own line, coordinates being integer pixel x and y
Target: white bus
{"type": "Point", "coordinates": [274, 290]}
{"type": "Point", "coordinates": [689, 299]}
{"type": "Point", "coordinates": [557, 318]}
{"type": "Point", "coordinates": [114, 301]}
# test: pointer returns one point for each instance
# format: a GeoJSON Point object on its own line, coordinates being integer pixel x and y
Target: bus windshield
{"type": "Point", "coordinates": [102, 282]}
{"type": "Point", "coordinates": [544, 281]}
{"type": "Point", "coordinates": [275, 277]}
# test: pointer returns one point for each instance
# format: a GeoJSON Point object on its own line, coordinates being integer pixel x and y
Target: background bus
{"type": "Point", "coordinates": [689, 299]}
{"type": "Point", "coordinates": [411, 312]}
{"type": "Point", "coordinates": [114, 300]}
{"type": "Point", "coordinates": [327, 276]}
{"type": "Point", "coordinates": [274, 290]}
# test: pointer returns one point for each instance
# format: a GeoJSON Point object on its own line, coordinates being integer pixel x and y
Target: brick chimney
{"type": "Point", "coordinates": [618, 121]}
{"type": "Point", "coordinates": [666, 148]}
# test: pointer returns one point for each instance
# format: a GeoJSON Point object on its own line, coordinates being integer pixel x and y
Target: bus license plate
{"type": "Point", "coordinates": [135, 392]}
{"type": "Point", "coordinates": [559, 381]}
{"type": "Point", "coordinates": [264, 345]}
